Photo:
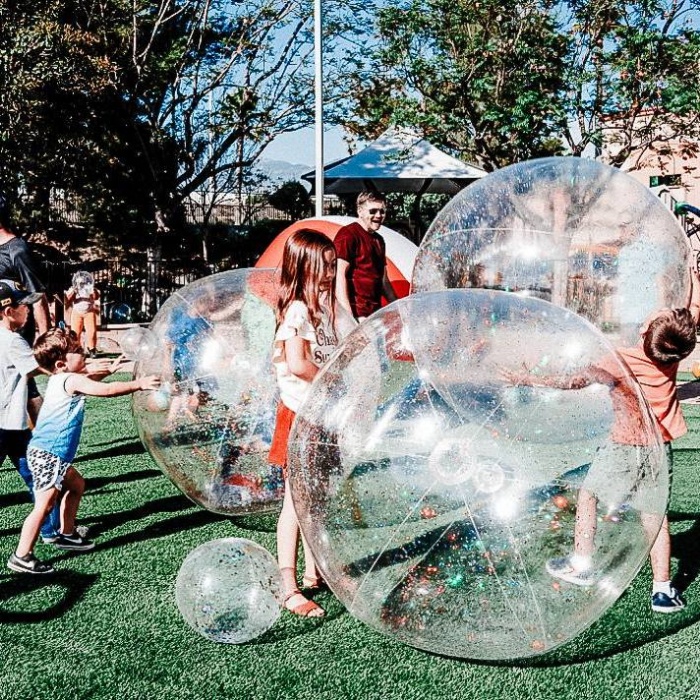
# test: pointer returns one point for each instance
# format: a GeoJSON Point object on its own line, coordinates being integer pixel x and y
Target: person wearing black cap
{"type": "Point", "coordinates": [16, 264]}
{"type": "Point", "coordinates": [18, 389]}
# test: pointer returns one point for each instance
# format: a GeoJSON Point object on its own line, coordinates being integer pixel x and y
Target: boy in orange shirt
{"type": "Point", "coordinates": [668, 337]}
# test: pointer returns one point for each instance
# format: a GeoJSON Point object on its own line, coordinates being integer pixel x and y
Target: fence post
{"type": "Point", "coordinates": [150, 293]}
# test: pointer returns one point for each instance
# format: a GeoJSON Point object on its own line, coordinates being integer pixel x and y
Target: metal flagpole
{"type": "Point", "coordinates": [318, 92]}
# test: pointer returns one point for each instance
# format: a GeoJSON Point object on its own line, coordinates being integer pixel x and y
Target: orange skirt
{"type": "Point", "coordinates": [283, 426]}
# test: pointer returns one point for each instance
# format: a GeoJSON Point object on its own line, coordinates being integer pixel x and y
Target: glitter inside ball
{"type": "Point", "coordinates": [228, 590]}
{"type": "Point", "coordinates": [209, 428]}
{"type": "Point", "coordinates": [438, 463]}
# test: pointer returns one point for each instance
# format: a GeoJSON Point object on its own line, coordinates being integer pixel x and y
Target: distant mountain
{"type": "Point", "coordinates": [279, 171]}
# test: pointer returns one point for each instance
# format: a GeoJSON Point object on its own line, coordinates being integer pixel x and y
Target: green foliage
{"type": "Point", "coordinates": [129, 108]}
{"type": "Point", "coordinates": [292, 199]}
{"type": "Point", "coordinates": [498, 83]}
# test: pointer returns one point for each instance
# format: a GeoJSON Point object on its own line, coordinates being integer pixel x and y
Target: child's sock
{"type": "Point", "coordinates": [580, 562]}
{"type": "Point", "coordinates": [661, 587]}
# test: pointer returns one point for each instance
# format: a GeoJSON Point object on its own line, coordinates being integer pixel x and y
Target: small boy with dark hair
{"type": "Point", "coordinates": [55, 440]}
{"type": "Point", "coordinates": [666, 339]}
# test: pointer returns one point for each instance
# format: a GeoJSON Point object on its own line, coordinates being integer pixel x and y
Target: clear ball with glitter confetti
{"type": "Point", "coordinates": [209, 429]}
{"type": "Point", "coordinates": [228, 590]}
{"type": "Point", "coordinates": [438, 464]}
{"type": "Point", "coordinates": [573, 231]}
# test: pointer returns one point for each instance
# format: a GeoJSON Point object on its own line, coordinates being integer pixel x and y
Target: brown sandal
{"type": "Point", "coordinates": [306, 609]}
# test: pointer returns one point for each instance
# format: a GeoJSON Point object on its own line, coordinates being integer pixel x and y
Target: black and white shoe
{"type": "Point", "coordinates": [28, 564]}
{"type": "Point", "coordinates": [74, 543]}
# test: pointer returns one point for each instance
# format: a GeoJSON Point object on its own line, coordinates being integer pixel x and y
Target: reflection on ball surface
{"type": "Point", "coordinates": [434, 487]}
{"type": "Point", "coordinates": [210, 428]}
{"type": "Point", "coordinates": [228, 590]}
{"type": "Point", "coordinates": [138, 343]}
{"type": "Point", "coordinates": [569, 230]}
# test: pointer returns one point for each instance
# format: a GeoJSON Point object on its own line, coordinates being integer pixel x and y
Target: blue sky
{"type": "Point", "coordinates": [299, 147]}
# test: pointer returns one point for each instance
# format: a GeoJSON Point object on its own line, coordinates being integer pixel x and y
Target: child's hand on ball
{"type": "Point", "coordinates": [150, 382]}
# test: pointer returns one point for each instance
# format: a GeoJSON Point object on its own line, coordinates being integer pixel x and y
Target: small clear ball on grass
{"type": "Point", "coordinates": [434, 487]}
{"type": "Point", "coordinates": [228, 590]}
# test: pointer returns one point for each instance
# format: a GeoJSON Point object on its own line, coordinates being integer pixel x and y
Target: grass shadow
{"type": "Point", "coordinates": [686, 548]}
{"type": "Point", "coordinates": [192, 519]}
{"type": "Point", "coordinates": [95, 483]}
{"type": "Point", "coordinates": [13, 587]}
{"type": "Point", "coordinates": [121, 449]}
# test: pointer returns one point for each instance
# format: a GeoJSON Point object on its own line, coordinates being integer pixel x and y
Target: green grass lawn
{"type": "Point", "coordinates": [107, 626]}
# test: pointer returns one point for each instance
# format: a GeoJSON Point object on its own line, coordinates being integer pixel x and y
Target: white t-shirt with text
{"type": "Point", "coordinates": [323, 341]}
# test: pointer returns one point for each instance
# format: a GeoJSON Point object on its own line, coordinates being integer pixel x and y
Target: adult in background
{"type": "Point", "coordinates": [362, 278]}
{"type": "Point", "coordinates": [16, 264]}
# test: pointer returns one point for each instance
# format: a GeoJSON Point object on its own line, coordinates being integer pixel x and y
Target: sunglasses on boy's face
{"type": "Point", "coordinates": [373, 212]}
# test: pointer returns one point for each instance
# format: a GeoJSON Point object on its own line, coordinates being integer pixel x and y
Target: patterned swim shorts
{"type": "Point", "coordinates": [48, 470]}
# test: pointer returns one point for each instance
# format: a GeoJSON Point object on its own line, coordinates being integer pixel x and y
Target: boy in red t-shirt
{"type": "Point", "coordinates": [361, 274]}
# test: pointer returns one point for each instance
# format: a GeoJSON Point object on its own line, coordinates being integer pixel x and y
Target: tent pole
{"type": "Point", "coordinates": [318, 93]}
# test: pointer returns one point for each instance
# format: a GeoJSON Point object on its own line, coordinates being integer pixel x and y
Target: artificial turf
{"type": "Point", "coordinates": [106, 626]}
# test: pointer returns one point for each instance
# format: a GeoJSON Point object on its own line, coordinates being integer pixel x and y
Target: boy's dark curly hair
{"type": "Point", "coordinates": [670, 336]}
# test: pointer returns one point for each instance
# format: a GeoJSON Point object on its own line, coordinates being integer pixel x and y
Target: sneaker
{"type": "Point", "coordinates": [74, 543]}
{"type": "Point", "coordinates": [28, 564]}
{"type": "Point", "coordinates": [81, 530]}
{"type": "Point", "coordinates": [662, 603]}
{"type": "Point", "coordinates": [563, 569]}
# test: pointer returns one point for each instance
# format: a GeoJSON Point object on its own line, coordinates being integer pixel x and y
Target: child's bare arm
{"type": "Point", "coordinates": [104, 368]}
{"type": "Point", "coordinates": [82, 384]}
{"type": "Point", "coordinates": [296, 351]}
{"type": "Point", "coordinates": [580, 380]}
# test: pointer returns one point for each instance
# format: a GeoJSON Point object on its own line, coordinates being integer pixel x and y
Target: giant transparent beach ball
{"type": "Point", "coordinates": [210, 425]}
{"type": "Point", "coordinates": [573, 231]}
{"type": "Point", "coordinates": [438, 463]}
{"type": "Point", "coordinates": [228, 590]}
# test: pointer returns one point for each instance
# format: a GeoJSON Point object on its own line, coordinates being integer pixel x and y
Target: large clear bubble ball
{"type": "Point", "coordinates": [438, 462]}
{"type": "Point", "coordinates": [573, 231]}
{"type": "Point", "coordinates": [210, 424]}
{"type": "Point", "coordinates": [229, 590]}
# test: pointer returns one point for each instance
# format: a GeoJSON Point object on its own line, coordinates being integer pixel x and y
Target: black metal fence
{"type": "Point", "coordinates": [122, 286]}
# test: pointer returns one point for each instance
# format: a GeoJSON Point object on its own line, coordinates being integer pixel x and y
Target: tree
{"type": "Point", "coordinates": [476, 78]}
{"type": "Point", "coordinates": [292, 199]}
{"type": "Point", "coordinates": [498, 83]}
{"type": "Point", "coordinates": [156, 99]}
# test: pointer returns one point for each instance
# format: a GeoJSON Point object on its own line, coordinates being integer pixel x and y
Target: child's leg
{"type": "Point", "coordinates": [586, 524]}
{"type": "Point", "coordinates": [73, 489]}
{"type": "Point", "coordinates": [76, 324]}
{"type": "Point", "coordinates": [43, 502]}
{"type": "Point", "coordinates": [287, 544]}
{"type": "Point", "coordinates": [311, 574]}
{"type": "Point", "coordinates": [16, 445]}
{"type": "Point", "coordinates": [90, 320]}
{"type": "Point", "coordinates": [660, 554]}
{"type": "Point", "coordinates": [287, 541]}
